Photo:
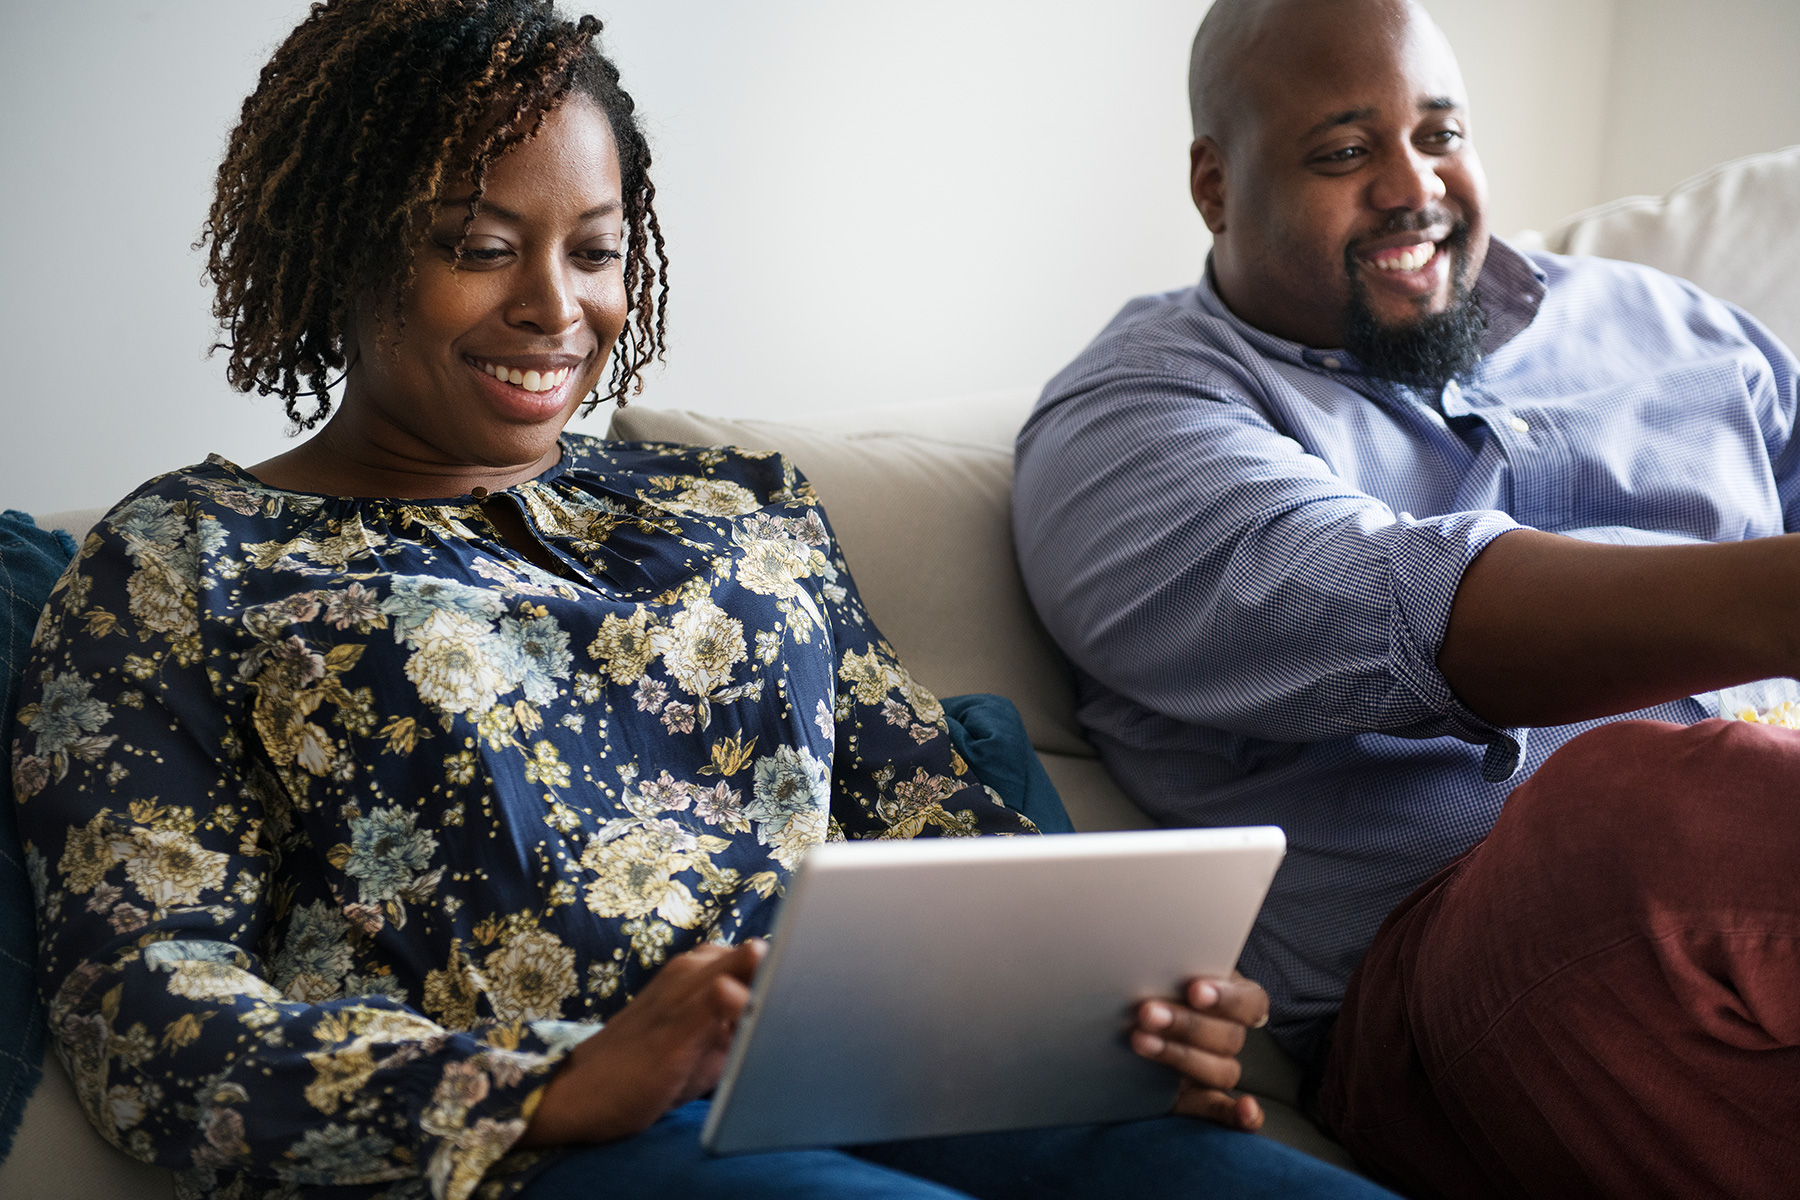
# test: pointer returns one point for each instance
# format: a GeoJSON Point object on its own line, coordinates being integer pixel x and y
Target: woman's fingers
{"type": "Point", "coordinates": [1235, 999]}
{"type": "Point", "coordinates": [1211, 1104]}
{"type": "Point", "coordinates": [1210, 1068]}
{"type": "Point", "coordinates": [1179, 1023]}
{"type": "Point", "coordinates": [692, 978]}
{"type": "Point", "coordinates": [667, 1046]}
{"type": "Point", "coordinates": [1201, 1039]}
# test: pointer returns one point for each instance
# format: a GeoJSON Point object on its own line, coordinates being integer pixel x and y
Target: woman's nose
{"type": "Point", "coordinates": [546, 299]}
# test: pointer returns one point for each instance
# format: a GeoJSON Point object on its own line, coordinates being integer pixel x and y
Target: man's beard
{"type": "Point", "coordinates": [1429, 351]}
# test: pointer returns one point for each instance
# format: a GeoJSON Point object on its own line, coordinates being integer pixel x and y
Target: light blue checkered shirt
{"type": "Point", "coordinates": [1249, 548]}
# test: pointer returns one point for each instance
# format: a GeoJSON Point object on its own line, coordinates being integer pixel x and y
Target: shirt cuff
{"type": "Point", "coordinates": [1428, 564]}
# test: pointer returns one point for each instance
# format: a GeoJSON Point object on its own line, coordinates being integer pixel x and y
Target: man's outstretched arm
{"type": "Point", "coordinates": [1545, 630]}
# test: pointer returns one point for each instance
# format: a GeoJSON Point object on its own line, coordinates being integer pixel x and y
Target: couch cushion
{"type": "Point", "coordinates": [980, 418]}
{"type": "Point", "coordinates": [59, 1156]}
{"type": "Point", "coordinates": [74, 521]}
{"type": "Point", "coordinates": [1722, 229]}
{"type": "Point", "coordinates": [925, 525]}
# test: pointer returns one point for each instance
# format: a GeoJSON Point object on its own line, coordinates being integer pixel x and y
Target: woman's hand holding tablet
{"type": "Point", "coordinates": [663, 1049]}
{"type": "Point", "coordinates": [1201, 1039]}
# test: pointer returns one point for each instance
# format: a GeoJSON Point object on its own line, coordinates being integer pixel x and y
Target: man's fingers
{"type": "Point", "coordinates": [1202, 1066]}
{"type": "Point", "coordinates": [1237, 999]}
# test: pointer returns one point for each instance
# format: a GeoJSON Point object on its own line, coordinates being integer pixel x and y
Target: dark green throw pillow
{"type": "Point", "coordinates": [988, 732]}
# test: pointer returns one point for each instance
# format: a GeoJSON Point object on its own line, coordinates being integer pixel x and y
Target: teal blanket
{"type": "Point", "coordinates": [31, 559]}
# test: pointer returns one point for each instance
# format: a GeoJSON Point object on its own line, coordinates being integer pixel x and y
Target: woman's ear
{"type": "Point", "coordinates": [1206, 180]}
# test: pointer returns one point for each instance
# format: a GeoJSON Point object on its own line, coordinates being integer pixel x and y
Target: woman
{"type": "Point", "coordinates": [363, 785]}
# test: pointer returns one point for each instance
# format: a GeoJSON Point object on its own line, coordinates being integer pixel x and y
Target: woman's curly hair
{"type": "Point", "coordinates": [364, 115]}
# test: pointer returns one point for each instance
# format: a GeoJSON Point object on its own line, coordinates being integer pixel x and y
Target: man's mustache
{"type": "Point", "coordinates": [1416, 222]}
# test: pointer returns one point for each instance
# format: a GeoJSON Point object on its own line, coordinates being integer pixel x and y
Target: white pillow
{"type": "Point", "coordinates": [1731, 230]}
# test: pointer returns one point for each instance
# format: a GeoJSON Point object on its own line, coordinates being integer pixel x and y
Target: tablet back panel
{"type": "Point", "coordinates": [955, 985]}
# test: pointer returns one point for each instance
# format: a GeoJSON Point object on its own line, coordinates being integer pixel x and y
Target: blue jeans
{"type": "Point", "coordinates": [1142, 1160]}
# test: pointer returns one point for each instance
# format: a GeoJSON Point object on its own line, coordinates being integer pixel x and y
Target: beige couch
{"type": "Point", "coordinates": [919, 496]}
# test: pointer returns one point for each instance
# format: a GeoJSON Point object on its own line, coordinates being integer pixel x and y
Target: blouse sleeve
{"type": "Point", "coordinates": [154, 837]}
{"type": "Point", "coordinates": [894, 770]}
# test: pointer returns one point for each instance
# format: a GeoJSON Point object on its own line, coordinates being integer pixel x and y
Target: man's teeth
{"type": "Point", "coordinates": [531, 381]}
{"type": "Point", "coordinates": [1409, 259]}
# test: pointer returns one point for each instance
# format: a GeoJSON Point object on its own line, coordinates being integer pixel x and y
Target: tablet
{"type": "Point", "coordinates": [958, 985]}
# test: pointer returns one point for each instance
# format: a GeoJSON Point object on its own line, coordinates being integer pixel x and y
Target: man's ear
{"type": "Point", "coordinates": [1206, 180]}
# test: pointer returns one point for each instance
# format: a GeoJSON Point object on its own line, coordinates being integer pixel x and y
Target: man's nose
{"type": "Point", "coordinates": [1407, 180]}
{"type": "Point", "coordinates": [545, 298]}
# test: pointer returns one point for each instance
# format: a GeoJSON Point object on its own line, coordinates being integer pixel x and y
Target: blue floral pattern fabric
{"type": "Point", "coordinates": [346, 821]}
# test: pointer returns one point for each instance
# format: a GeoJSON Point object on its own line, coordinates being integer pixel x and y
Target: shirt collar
{"type": "Point", "coordinates": [1509, 290]}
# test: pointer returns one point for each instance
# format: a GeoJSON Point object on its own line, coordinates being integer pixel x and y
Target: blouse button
{"type": "Point", "coordinates": [1520, 424]}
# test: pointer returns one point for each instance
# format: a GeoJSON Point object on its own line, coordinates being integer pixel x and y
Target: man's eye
{"type": "Point", "coordinates": [1341, 156]}
{"type": "Point", "coordinates": [1443, 139]}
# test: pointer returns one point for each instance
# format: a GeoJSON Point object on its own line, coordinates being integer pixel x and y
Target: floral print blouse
{"type": "Point", "coordinates": [346, 821]}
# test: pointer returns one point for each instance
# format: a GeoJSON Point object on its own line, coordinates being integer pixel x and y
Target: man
{"type": "Point", "coordinates": [1352, 536]}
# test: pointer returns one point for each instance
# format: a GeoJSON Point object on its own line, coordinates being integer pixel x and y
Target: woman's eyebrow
{"type": "Point", "coordinates": [507, 214]}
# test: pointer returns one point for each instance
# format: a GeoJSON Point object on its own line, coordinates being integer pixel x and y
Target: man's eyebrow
{"type": "Point", "coordinates": [1348, 117]}
{"type": "Point", "coordinates": [507, 214]}
{"type": "Point", "coordinates": [1352, 115]}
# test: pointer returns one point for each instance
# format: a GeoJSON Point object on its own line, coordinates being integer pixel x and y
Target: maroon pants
{"type": "Point", "coordinates": [1603, 997]}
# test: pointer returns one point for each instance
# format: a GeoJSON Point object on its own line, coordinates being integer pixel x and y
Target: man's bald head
{"type": "Point", "coordinates": [1332, 162]}
{"type": "Point", "coordinates": [1237, 51]}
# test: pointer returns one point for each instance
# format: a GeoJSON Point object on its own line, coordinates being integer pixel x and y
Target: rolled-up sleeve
{"type": "Point", "coordinates": [1189, 556]}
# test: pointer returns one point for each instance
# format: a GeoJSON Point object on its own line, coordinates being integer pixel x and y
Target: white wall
{"type": "Point", "coordinates": [865, 203]}
{"type": "Point", "coordinates": [1695, 82]}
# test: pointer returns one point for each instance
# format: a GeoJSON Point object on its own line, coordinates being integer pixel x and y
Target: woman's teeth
{"type": "Point", "coordinates": [531, 381]}
{"type": "Point", "coordinates": [1409, 258]}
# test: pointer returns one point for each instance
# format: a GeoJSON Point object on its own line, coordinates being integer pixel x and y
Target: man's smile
{"type": "Point", "coordinates": [1414, 264]}
{"type": "Point", "coordinates": [1404, 258]}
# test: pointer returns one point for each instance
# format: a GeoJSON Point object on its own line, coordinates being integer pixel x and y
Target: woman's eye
{"type": "Point", "coordinates": [467, 253]}
{"type": "Point", "coordinates": [598, 257]}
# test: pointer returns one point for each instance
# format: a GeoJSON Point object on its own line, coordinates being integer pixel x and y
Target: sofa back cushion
{"type": "Point", "coordinates": [1730, 230]}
